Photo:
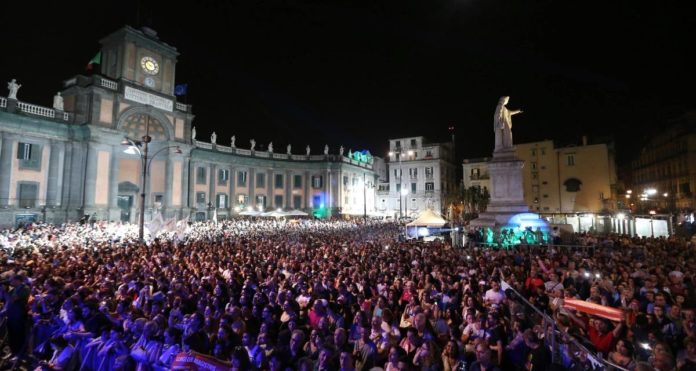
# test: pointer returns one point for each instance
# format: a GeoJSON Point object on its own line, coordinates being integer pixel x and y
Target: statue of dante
{"type": "Point", "coordinates": [232, 140]}
{"type": "Point", "coordinates": [308, 150]}
{"type": "Point", "coordinates": [289, 149]}
{"type": "Point", "coordinates": [213, 138]}
{"type": "Point", "coordinates": [253, 144]}
{"type": "Point", "coordinates": [340, 151]}
{"type": "Point", "coordinates": [502, 125]}
{"type": "Point", "coordinates": [270, 147]}
{"type": "Point", "coordinates": [193, 133]}
{"type": "Point", "coordinates": [326, 149]}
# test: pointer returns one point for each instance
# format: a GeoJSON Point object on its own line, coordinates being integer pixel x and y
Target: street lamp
{"type": "Point", "coordinates": [140, 147]}
{"type": "Point", "coordinates": [404, 192]}
{"type": "Point", "coordinates": [400, 154]}
{"type": "Point", "coordinates": [652, 229]}
{"type": "Point", "coordinates": [365, 185]}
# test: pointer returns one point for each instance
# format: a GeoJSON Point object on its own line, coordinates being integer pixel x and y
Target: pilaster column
{"type": "Point", "coordinates": [211, 186]}
{"type": "Point", "coordinates": [270, 186]}
{"type": "Point", "coordinates": [288, 189]}
{"type": "Point", "coordinates": [168, 183]}
{"type": "Point", "coordinates": [190, 179]}
{"type": "Point", "coordinates": [90, 175]}
{"type": "Point", "coordinates": [113, 178]}
{"type": "Point", "coordinates": [251, 179]}
{"type": "Point", "coordinates": [231, 205]}
{"type": "Point", "coordinates": [5, 169]}
{"type": "Point", "coordinates": [306, 185]}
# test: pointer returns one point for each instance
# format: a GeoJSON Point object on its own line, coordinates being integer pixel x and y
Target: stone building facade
{"type": "Point", "coordinates": [419, 176]}
{"type": "Point", "coordinates": [570, 179]}
{"type": "Point", "coordinates": [59, 164]}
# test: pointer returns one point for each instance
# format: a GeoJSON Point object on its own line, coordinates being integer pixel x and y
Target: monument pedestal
{"type": "Point", "coordinates": [507, 192]}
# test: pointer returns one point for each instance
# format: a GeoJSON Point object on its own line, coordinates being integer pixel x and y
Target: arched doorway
{"type": "Point", "coordinates": [127, 192]}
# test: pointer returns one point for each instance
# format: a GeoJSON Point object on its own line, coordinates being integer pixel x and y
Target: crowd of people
{"type": "Point", "coordinates": [339, 295]}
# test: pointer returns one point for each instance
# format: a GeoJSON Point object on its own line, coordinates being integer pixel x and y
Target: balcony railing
{"type": "Point", "coordinates": [181, 107]}
{"type": "Point", "coordinates": [113, 85]}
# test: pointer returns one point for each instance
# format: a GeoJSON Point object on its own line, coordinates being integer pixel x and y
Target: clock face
{"type": "Point", "coordinates": [149, 65]}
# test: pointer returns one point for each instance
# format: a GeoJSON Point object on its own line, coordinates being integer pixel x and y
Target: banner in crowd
{"type": "Point", "coordinates": [613, 314]}
{"type": "Point", "coordinates": [192, 361]}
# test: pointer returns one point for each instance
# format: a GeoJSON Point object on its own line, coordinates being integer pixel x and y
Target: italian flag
{"type": "Point", "coordinates": [95, 60]}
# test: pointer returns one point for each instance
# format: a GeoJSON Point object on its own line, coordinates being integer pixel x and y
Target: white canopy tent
{"type": "Point", "coordinates": [296, 213]}
{"type": "Point", "coordinates": [428, 218]}
{"type": "Point", "coordinates": [274, 214]}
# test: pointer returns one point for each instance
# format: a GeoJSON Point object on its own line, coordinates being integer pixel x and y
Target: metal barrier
{"type": "Point", "coordinates": [568, 346]}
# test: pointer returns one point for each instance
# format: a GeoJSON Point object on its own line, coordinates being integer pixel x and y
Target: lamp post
{"type": "Point", "coordinates": [366, 184]}
{"type": "Point", "coordinates": [652, 229]}
{"type": "Point", "coordinates": [140, 147]}
{"type": "Point", "coordinates": [364, 196]}
{"type": "Point", "coordinates": [404, 192]}
{"type": "Point", "coordinates": [399, 154]}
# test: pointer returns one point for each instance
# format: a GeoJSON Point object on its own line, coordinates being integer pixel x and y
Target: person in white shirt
{"type": "Point", "coordinates": [495, 294]}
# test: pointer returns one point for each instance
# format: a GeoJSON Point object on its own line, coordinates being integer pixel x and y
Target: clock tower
{"type": "Point", "coordinates": [139, 57]}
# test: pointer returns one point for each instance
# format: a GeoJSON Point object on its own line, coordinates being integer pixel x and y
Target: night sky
{"type": "Point", "coordinates": [338, 72]}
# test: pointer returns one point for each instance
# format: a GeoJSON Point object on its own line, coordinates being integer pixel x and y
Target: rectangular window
{"type": "Point", "coordinates": [278, 201]}
{"type": "Point", "coordinates": [297, 181]}
{"type": "Point", "coordinates": [345, 181]}
{"type": "Point", "coordinates": [429, 186]}
{"type": "Point", "coordinates": [260, 180]}
{"type": "Point", "coordinates": [200, 198]}
{"type": "Point", "coordinates": [29, 156]}
{"type": "Point", "coordinates": [534, 165]}
{"type": "Point", "coordinates": [398, 187]}
{"type": "Point", "coordinates": [28, 193]}
{"type": "Point", "coordinates": [200, 175]}
{"type": "Point", "coordinates": [571, 160]}
{"type": "Point", "coordinates": [534, 152]}
{"type": "Point", "coordinates": [242, 200]}
{"type": "Point", "coordinates": [428, 153]}
{"type": "Point", "coordinates": [279, 180]}
{"type": "Point", "coordinates": [317, 181]}
{"type": "Point", "coordinates": [221, 202]}
{"type": "Point", "coordinates": [241, 178]}
{"type": "Point", "coordinates": [397, 144]}
{"type": "Point", "coordinates": [413, 143]}
{"type": "Point", "coordinates": [429, 172]}
{"type": "Point", "coordinates": [158, 199]}
{"type": "Point", "coordinates": [297, 202]}
{"type": "Point", "coordinates": [543, 151]}
{"type": "Point", "coordinates": [413, 187]}
{"type": "Point", "coordinates": [24, 151]}
{"type": "Point", "coordinates": [223, 176]}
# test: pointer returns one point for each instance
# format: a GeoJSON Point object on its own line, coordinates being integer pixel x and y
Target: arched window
{"type": "Point", "coordinates": [135, 125]}
{"type": "Point", "coordinates": [572, 185]}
